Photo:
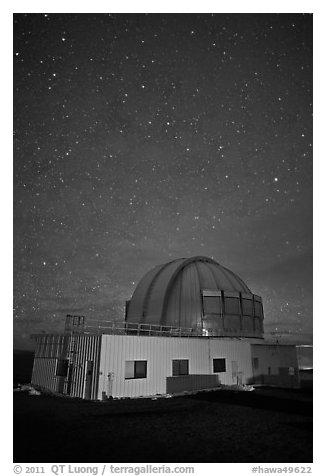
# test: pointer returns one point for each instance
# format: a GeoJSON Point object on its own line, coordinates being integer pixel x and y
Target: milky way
{"type": "Point", "coordinates": [141, 138]}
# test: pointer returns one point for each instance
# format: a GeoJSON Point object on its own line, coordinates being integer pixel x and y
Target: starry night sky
{"type": "Point", "coordinates": [141, 138]}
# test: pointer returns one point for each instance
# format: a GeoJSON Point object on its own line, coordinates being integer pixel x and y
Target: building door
{"type": "Point", "coordinates": [236, 375]}
{"type": "Point", "coordinates": [69, 378]}
{"type": "Point", "coordinates": [89, 379]}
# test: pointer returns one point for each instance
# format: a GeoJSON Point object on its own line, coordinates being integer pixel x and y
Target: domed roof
{"type": "Point", "coordinates": [172, 293]}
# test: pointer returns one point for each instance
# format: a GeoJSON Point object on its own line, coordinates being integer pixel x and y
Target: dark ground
{"type": "Point", "coordinates": [266, 425]}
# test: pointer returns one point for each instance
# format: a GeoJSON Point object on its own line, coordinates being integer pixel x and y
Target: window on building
{"type": "Point", "coordinates": [258, 309]}
{"type": "Point", "coordinates": [180, 367]}
{"type": "Point", "coordinates": [247, 308]}
{"type": "Point", "coordinates": [62, 368]}
{"type": "Point", "coordinates": [219, 365]}
{"type": "Point", "coordinates": [232, 305]}
{"type": "Point", "coordinates": [258, 324]}
{"type": "Point", "coordinates": [136, 369]}
{"type": "Point", "coordinates": [212, 304]}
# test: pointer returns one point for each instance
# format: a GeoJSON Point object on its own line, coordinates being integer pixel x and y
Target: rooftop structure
{"type": "Point", "coordinates": [197, 294]}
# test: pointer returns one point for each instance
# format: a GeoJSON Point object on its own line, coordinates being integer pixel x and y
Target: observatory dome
{"type": "Point", "coordinates": [196, 293]}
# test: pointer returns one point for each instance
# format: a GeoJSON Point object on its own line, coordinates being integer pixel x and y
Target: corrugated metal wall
{"type": "Point", "coordinates": [85, 348]}
{"type": "Point", "coordinates": [49, 348]}
{"type": "Point", "coordinates": [44, 374]}
{"type": "Point", "coordinates": [51, 345]}
{"type": "Point", "coordinates": [77, 350]}
{"type": "Point", "coordinates": [159, 353]}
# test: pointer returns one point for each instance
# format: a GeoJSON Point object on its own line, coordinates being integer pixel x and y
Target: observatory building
{"type": "Point", "coordinates": [199, 294]}
{"type": "Point", "coordinates": [190, 325]}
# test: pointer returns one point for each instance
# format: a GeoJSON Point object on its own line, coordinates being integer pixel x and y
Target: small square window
{"type": "Point", "coordinates": [180, 367]}
{"type": "Point", "coordinates": [219, 365]}
{"type": "Point", "coordinates": [140, 369]}
{"type": "Point", "coordinates": [135, 369]}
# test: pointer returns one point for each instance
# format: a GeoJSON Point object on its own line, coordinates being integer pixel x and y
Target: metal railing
{"type": "Point", "coordinates": [134, 328]}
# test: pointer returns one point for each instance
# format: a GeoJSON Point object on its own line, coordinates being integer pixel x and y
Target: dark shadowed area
{"type": "Point", "coordinates": [22, 366]}
{"type": "Point", "coordinates": [264, 425]}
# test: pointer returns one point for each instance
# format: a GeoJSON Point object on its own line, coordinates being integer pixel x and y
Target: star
{"type": "Point", "coordinates": [142, 139]}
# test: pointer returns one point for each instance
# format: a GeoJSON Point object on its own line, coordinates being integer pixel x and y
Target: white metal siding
{"type": "Point", "coordinates": [159, 353]}
{"type": "Point", "coordinates": [109, 354]}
